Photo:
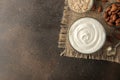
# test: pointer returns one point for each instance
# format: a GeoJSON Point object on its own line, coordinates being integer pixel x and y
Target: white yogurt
{"type": "Point", "coordinates": [87, 35]}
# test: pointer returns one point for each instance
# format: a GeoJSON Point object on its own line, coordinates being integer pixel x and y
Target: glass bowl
{"type": "Point", "coordinates": [110, 17]}
{"type": "Point", "coordinates": [76, 6]}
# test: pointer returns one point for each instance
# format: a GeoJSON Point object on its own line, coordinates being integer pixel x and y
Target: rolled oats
{"type": "Point", "coordinates": [80, 6]}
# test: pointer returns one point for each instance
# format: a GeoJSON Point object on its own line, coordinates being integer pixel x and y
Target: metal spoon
{"type": "Point", "coordinates": [112, 50]}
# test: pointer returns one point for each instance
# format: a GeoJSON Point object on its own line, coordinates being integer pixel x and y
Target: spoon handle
{"type": "Point", "coordinates": [117, 44]}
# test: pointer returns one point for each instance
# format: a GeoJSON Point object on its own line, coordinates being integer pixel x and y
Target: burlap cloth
{"type": "Point", "coordinates": [69, 17]}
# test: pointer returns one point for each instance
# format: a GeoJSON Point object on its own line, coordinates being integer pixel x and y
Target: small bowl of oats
{"type": "Point", "coordinates": [80, 6]}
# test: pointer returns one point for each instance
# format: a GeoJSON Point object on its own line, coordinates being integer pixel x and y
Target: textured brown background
{"type": "Point", "coordinates": [28, 45]}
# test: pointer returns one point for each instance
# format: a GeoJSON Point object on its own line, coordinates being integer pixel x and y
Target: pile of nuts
{"type": "Point", "coordinates": [112, 14]}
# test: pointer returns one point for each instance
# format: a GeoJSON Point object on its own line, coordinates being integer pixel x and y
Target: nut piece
{"type": "Point", "coordinates": [117, 24]}
{"type": "Point", "coordinates": [100, 9]}
{"type": "Point", "coordinates": [114, 7]}
{"type": "Point", "coordinates": [118, 13]}
{"type": "Point", "coordinates": [105, 15]}
{"type": "Point", "coordinates": [117, 21]}
{"type": "Point", "coordinates": [108, 9]}
{"type": "Point", "coordinates": [109, 23]}
{"type": "Point", "coordinates": [107, 19]}
{"type": "Point", "coordinates": [114, 17]}
{"type": "Point", "coordinates": [109, 12]}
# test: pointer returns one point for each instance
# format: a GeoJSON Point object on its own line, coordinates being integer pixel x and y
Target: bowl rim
{"type": "Point", "coordinates": [106, 6]}
{"type": "Point", "coordinates": [93, 51]}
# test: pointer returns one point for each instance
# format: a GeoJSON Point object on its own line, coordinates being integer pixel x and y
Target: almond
{"type": "Point", "coordinates": [117, 24]}
{"type": "Point", "coordinates": [117, 21]}
{"type": "Point", "coordinates": [105, 15]}
{"type": "Point", "coordinates": [114, 17]}
{"type": "Point", "coordinates": [109, 23]}
{"type": "Point", "coordinates": [100, 9]}
{"type": "Point", "coordinates": [108, 9]}
{"type": "Point", "coordinates": [111, 17]}
{"type": "Point", "coordinates": [107, 19]}
{"type": "Point", "coordinates": [118, 13]}
{"type": "Point", "coordinates": [114, 7]}
{"type": "Point", "coordinates": [109, 12]}
{"type": "Point", "coordinates": [113, 13]}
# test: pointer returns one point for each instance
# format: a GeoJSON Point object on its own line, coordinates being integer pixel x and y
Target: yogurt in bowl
{"type": "Point", "coordinates": [87, 35]}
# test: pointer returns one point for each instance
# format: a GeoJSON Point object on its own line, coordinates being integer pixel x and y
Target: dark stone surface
{"type": "Point", "coordinates": [28, 45]}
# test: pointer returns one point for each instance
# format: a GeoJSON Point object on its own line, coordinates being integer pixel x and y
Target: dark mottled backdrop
{"type": "Point", "coordinates": [28, 45]}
